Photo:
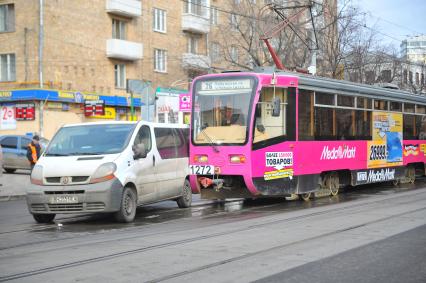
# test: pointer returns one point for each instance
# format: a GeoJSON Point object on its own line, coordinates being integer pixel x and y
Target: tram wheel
{"type": "Point", "coordinates": [411, 174]}
{"type": "Point", "coordinates": [332, 183]}
{"type": "Point", "coordinates": [305, 196]}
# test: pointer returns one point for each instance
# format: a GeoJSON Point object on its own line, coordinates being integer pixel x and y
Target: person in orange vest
{"type": "Point", "coordinates": [34, 151]}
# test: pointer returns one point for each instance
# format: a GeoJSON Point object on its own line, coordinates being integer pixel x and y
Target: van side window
{"type": "Point", "coordinates": [181, 140]}
{"type": "Point", "coordinates": [24, 143]}
{"type": "Point", "coordinates": [144, 137]}
{"type": "Point", "coordinates": [165, 142]}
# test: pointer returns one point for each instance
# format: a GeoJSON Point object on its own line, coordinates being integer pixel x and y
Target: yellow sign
{"type": "Point", "coordinates": [278, 174]}
{"type": "Point", "coordinates": [109, 114]}
{"type": "Point", "coordinates": [5, 94]}
{"type": "Point", "coordinates": [72, 95]}
{"type": "Point", "coordinates": [386, 147]}
{"type": "Point", "coordinates": [54, 105]}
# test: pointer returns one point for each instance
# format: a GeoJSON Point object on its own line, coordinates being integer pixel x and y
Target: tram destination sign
{"type": "Point", "coordinates": [241, 84]}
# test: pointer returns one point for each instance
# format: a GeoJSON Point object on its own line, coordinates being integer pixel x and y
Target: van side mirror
{"type": "Point", "coordinates": [276, 107]}
{"type": "Point", "coordinates": [139, 151]}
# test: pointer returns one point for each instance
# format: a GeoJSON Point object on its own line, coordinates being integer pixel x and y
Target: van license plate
{"type": "Point", "coordinates": [201, 169]}
{"type": "Point", "coordinates": [63, 199]}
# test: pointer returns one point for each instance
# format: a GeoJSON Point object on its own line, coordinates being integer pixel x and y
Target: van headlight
{"type": "Point", "coordinates": [105, 172]}
{"type": "Point", "coordinates": [37, 175]}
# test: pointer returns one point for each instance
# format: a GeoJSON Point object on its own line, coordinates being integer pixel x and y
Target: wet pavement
{"type": "Point", "coordinates": [72, 235]}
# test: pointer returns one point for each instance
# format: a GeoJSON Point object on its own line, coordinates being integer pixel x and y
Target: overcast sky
{"type": "Point", "coordinates": [395, 18]}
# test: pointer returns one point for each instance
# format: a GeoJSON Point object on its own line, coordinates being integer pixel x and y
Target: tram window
{"type": "Point", "coordinates": [363, 102]}
{"type": "Point", "coordinates": [306, 118]}
{"type": "Point", "coordinates": [345, 120]}
{"type": "Point", "coordinates": [324, 98]}
{"type": "Point", "coordinates": [324, 124]}
{"type": "Point", "coordinates": [363, 125]}
{"type": "Point", "coordinates": [421, 127]}
{"type": "Point", "coordinates": [380, 105]}
{"type": "Point", "coordinates": [421, 109]}
{"type": "Point", "coordinates": [409, 128]}
{"type": "Point", "coordinates": [347, 101]}
{"type": "Point", "coordinates": [408, 107]}
{"type": "Point", "coordinates": [275, 129]}
{"type": "Point", "coordinates": [395, 106]}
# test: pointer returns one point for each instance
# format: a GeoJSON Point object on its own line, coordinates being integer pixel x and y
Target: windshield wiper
{"type": "Point", "coordinates": [210, 141]}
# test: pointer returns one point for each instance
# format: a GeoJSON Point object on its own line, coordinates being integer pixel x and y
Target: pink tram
{"type": "Point", "coordinates": [274, 134]}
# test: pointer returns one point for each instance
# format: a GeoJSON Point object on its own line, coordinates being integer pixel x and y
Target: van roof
{"type": "Point", "coordinates": [128, 123]}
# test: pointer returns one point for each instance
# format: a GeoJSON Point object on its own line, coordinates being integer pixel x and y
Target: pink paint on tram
{"type": "Point", "coordinates": [264, 169]}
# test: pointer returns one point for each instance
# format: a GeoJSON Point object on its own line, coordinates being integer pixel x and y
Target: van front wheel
{"type": "Point", "coordinates": [44, 218]}
{"type": "Point", "coordinates": [128, 206]}
{"type": "Point", "coordinates": [186, 199]}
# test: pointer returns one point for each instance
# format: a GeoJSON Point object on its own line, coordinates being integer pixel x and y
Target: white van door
{"type": "Point", "coordinates": [146, 180]}
{"type": "Point", "coordinates": [166, 163]}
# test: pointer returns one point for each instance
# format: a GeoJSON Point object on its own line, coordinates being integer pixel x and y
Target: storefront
{"type": "Point", "coordinates": [172, 105]}
{"type": "Point", "coordinates": [44, 111]}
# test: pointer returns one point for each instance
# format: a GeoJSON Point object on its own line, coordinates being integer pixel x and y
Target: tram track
{"type": "Point", "coordinates": [359, 206]}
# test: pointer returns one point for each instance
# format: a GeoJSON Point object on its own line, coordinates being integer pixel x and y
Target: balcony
{"type": "Point", "coordinates": [126, 8]}
{"type": "Point", "coordinates": [123, 49]}
{"type": "Point", "coordinates": [195, 61]}
{"type": "Point", "coordinates": [195, 23]}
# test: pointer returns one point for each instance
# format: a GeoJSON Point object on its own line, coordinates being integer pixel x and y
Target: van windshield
{"type": "Point", "coordinates": [90, 140]}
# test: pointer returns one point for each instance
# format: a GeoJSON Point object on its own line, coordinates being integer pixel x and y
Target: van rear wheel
{"type": "Point", "coordinates": [185, 200]}
{"type": "Point", "coordinates": [44, 218]}
{"type": "Point", "coordinates": [128, 206]}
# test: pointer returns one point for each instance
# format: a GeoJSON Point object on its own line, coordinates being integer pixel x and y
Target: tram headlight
{"type": "Point", "coordinates": [201, 158]}
{"type": "Point", "coordinates": [238, 158]}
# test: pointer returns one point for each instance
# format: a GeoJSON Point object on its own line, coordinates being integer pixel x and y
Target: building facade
{"type": "Point", "coordinates": [56, 54]}
{"type": "Point", "coordinates": [413, 49]}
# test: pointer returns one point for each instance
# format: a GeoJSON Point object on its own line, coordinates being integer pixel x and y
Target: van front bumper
{"type": "Point", "coordinates": [99, 197]}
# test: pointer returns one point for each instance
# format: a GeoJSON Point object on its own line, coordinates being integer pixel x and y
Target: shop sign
{"type": "Point", "coordinates": [185, 102]}
{"type": "Point", "coordinates": [76, 97]}
{"type": "Point", "coordinates": [110, 113]}
{"type": "Point", "coordinates": [94, 107]}
{"type": "Point", "coordinates": [7, 117]}
{"type": "Point", "coordinates": [5, 95]}
{"type": "Point", "coordinates": [25, 111]}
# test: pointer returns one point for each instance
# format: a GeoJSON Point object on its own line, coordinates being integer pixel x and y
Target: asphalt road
{"type": "Point", "coordinates": [368, 234]}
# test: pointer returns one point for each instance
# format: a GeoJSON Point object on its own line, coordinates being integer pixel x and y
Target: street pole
{"type": "Point", "coordinates": [40, 64]}
{"type": "Point", "coordinates": [132, 110]}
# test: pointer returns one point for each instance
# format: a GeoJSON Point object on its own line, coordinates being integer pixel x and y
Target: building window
{"type": "Point", "coordinates": [387, 76]}
{"type": "Point", "coordinates": [214, 15]}
{"type": "Point", "coordinates": [234, 21]}
{"type": "Point", "coordinates": [7, 17]}
{"type": "Point", "coordinates": [120, 75]}
{"type": "Point", "coordinates": [118, 29]}
{"type": "Point", "coordinates": [159, 20]}
{"type": "Point", "coordinates": [417, 78]}
{"type": "Point", "coordinates": [160, 60]}
{"type": "Point", "coordinates": [405, 76]}
{"type": "Point", "coordinates": [214, 51]}
{"type": "Point", "coordinates": [192, 44]}
{"type": "Point", "coordinates": [7, 68]}
{"type": "Point", "coordinates": [234, 54]}
{"type": "Point", "coordinates": [195, 7]}
{"type": "Point", "coordinates": [410, 77]}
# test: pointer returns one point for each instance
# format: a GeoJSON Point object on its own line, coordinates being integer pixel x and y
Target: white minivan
{"type": "Point", "coordinates": [110, 167]}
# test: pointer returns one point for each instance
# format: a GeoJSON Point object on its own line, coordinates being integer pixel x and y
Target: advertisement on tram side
{"type": "Point", "coordinates": [386, 147]}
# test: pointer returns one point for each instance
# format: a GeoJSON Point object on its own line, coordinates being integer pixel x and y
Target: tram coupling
{"type": "Point", "coordinates": [217, 184]}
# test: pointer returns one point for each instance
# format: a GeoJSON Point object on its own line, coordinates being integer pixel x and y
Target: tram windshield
{"type": "Point", "coordinates": [221, 110]}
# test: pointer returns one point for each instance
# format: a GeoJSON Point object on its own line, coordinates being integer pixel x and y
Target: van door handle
{"type": "Point", "coordinates": [153, 160]}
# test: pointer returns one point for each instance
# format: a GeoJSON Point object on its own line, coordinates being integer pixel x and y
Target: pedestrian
{"type": "Point", "coordinates": [34, 151]}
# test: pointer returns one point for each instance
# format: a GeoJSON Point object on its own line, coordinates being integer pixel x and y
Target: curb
{"type": "Point", "coordinates": [13, 197]}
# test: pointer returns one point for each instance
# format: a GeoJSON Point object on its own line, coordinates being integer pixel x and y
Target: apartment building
{"type": "Point", "coordinates": [56, 54]}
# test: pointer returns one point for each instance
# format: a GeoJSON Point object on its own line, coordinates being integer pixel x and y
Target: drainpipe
{"type": "Point", "coordinates": [40, 64]}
